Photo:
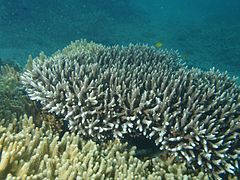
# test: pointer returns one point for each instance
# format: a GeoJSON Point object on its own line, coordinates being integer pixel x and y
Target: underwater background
{"type": "Point", "coordinates": [151, 97]}
{"type": "Point", "coordinates": [207, 33]}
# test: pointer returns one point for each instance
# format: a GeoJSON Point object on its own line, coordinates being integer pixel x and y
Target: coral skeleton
{"type": "Point", "coordinates": [109, 92]}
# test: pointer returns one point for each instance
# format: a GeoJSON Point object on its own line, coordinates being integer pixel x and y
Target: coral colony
{"type": "Point", "coordinates": [39, 153]}
{"type": "Point", "coordinates": [109, 92]}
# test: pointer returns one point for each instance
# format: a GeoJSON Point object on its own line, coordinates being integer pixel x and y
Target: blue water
{"type": "Point", "coordinates": [207, 33]}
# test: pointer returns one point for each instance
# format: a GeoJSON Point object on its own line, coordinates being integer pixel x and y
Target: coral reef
{"type": "Point", "coordinates": [108, 92]}
{"type": "Point", "coordinates": [85, 74]}
{"type": "Point", "coordinates": [12, 96]}
{"type": "Point", "coordinates": [29, 152]}
{"type": "Point", "coordinates": [14, 101]}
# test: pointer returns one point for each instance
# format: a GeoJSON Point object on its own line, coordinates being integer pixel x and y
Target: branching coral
{"type": "Point", "coordinates": [14, 101]}
{"type": "Point", "coordinates": [106, 92]}
{"type": "Point", "coordinates": [12, 98]}
{"type": "Point", "coordinates": [90, 86]}
{"type": "Point", "coordinates": [28, 152]}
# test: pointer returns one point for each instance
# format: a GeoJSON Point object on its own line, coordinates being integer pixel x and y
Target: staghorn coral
{"type": "Point", "coordinates": [85, 75]}
{"type": "Point", "coordinates": [108, 92]}
{"type": "Point", "coordinates": [28, 152]}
